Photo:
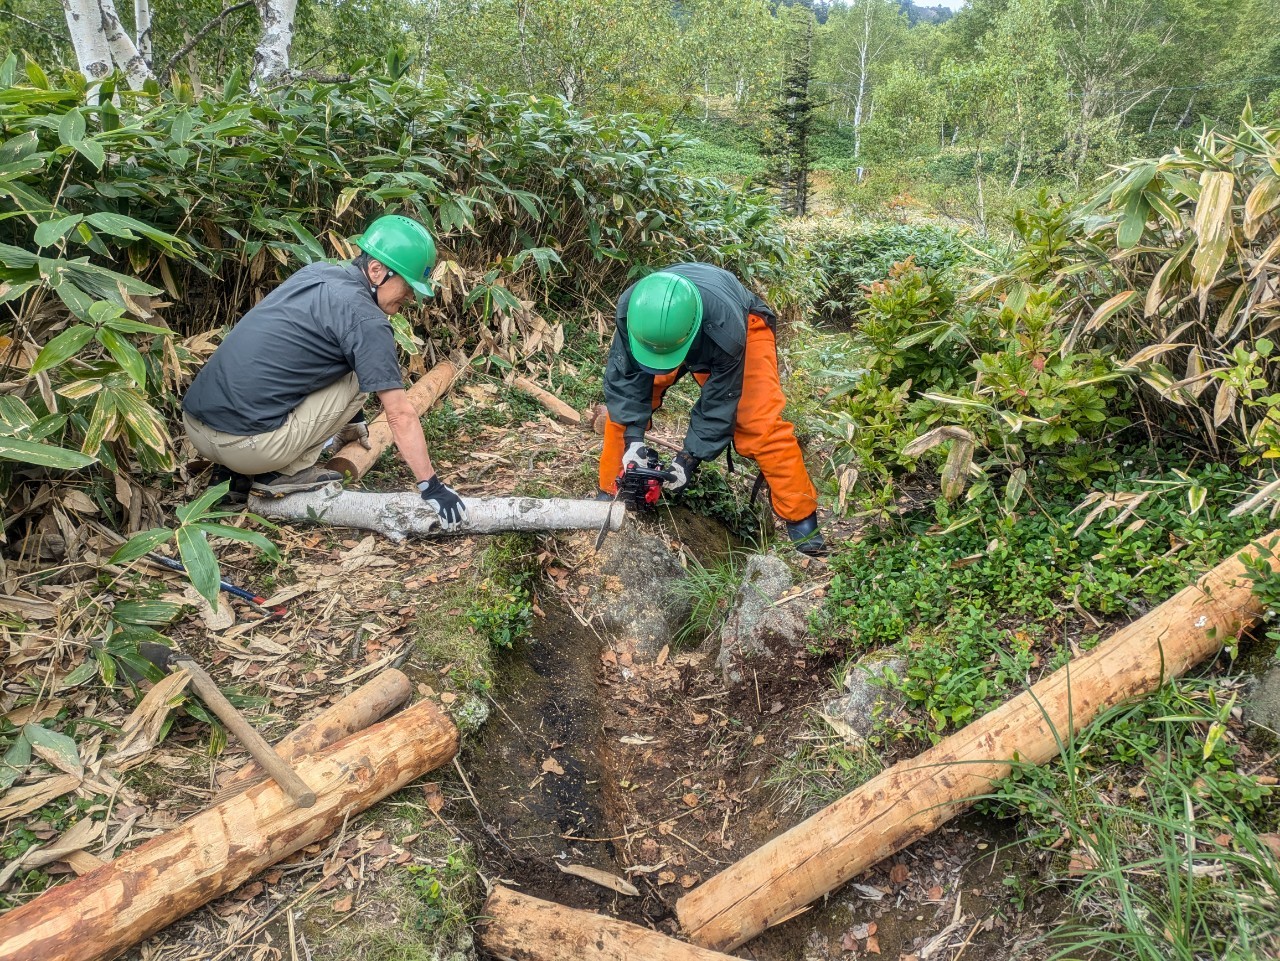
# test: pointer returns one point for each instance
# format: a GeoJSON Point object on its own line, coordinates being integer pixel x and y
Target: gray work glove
{"type": "Point", "coordinates": [357, 432]}
{"type": "Point", "coordinates": [637, 455]}
{"type": "Point", "coordinates": [685, 466]}
{"type": "Point", "coordinates": [445, 501]}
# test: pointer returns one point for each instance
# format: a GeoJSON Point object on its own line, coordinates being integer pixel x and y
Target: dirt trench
{"type": "Point", "coordinates": [645, 766]}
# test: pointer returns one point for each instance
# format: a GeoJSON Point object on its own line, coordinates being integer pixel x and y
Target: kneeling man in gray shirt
{"type": "Point", "coordinates": [296, 368]}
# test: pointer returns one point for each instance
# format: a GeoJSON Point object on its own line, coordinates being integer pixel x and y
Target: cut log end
{"type": "Point", "coordinates": [530, 929]}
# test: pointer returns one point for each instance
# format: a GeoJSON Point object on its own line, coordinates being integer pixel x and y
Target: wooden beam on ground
{"type": "Point", "coordinates": [521, 928]}
{"type": "Point", "coordinates": [914, 797]}
{"type": "Point", "coordinates": [355, 461]}
{"type": "Point", "coordinates": [404, 514]}
{"type": "Point", "coordinates": [366, 705]}
{"type": "Point", "coordinates": [564, 413]}
{"type": "Point", "coordinates": [102, 914]}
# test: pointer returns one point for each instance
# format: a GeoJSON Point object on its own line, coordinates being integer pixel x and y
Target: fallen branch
{"type": "Point", "coordinates": [100, 915]}
{"type": "Point", "coordinates": [355, 461]}
{"type": "Point", "coordinates": [521, 928]}
{"type": "Point", "coordinates": [564, 413]}
{"type": "Point", "coordinates": [364, 706]}
{"type": "Point", "coordinates": [405, 514]}
{"type": "Point", "coordinates": [915, 796]}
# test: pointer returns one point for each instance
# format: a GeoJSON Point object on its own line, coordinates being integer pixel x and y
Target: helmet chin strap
{"type": "Point", "coordinates": [375, 287]}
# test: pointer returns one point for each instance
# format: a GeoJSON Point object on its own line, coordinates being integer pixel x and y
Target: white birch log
{"type": "Point", "coordinates": [123, 50]}
{"type": "Point", "coordinates": [271, 58]}
{"type": "Point", "coordinates": [84, 23]}
{"type": "Point", "coordinates": [405, 514]}
{"type": "Point", "coordinates": [142, 28]}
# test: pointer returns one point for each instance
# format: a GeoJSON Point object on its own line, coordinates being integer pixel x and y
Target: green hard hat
{"type": "Point", "coordinates": [403, 245]}
{"type": "Point", "coordinates": [663, 316]}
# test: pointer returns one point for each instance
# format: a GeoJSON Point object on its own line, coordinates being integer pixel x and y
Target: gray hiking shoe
{"type": "Point", "coordinates": [280, 485]}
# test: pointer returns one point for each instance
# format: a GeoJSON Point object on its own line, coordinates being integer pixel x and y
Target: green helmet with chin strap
{"type": "Point", "coordinates": [663, 316]}
{"type": "Point", "coordinates": [404, 246]}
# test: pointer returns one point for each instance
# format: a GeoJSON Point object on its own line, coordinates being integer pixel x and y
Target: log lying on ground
{"type": "Point", "coordinates": [365, 705]}
{"type": "Point", "coordinates": [521, 928]}
{"type": "Point", "coordinates": [100, 915]}
{"type": "Point", "coordinates": [915, 796]}
{"type": "Point", "coordinates": [354, 460]}
{"type": "Point", "coordinates": [404, 514]}
{"type": "Point", "coordinates": [564, 413]}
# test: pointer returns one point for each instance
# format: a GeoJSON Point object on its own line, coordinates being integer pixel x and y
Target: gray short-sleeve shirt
{"type": "Point", "coordinates": [319, 325]}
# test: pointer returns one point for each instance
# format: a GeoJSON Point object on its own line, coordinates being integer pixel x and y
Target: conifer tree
{"type": "Point", "coordinates": [787, 139]}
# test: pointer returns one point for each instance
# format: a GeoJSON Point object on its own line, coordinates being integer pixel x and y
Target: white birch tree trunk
{"type": "Point", "coordinates": [84, 23]}
{"type": "Point", "coordinates": [271, 58]}
{"type": "Point", "coordinates": [123, 50]}
{"type": "Point", "coordinates": [142, 28]}
{"type": "Point", "coordinates": [405, 514]}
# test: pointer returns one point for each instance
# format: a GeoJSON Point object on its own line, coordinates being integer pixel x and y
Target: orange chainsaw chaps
{"type": "Point", "coordinates": [760, 432]}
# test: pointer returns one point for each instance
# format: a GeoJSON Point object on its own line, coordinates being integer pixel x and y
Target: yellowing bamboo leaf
{"type": "Point", "coordinates": [1230, 322]}
{"type": "Point", "coordinates": [1267, 259]}
{"type": "Point", "coordinates": [955, 472]}
{"type": "Point", "coordinates": [1112, 306]}
{"type": "Point", "coordinates": [1264, 197]}
{"type": "Point", "coordinates": [1158, 291]}
{"type": "Point", "coordinates": [1213, 229]}
{"type": "Point", "coordinates": [56, 749]}
{"type": "Point", "coordinates": [1150, 352]}
{"type": "Point", "coordinates": [1225, 404]}
{"type": "Point", "coordinates": [939, 435]}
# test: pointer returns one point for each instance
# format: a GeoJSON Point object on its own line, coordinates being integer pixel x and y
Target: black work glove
{"type": "Point", "coordinates": [445, 501]}
{"type": "Point", "coordinates": [685, 466]}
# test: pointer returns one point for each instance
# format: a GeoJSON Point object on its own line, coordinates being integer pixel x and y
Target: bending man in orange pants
{"type": "Point", "coordinates": [701, 319]}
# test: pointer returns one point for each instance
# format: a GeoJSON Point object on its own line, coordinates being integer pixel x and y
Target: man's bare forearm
{"type": "Point", "coordinates": [406, 431]}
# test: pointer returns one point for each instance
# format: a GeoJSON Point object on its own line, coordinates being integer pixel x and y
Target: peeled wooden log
{"type": "Point", "coordinates": [403, 514]}
{"type": "Point", "coordinates": [100, 915]}
{"type": "Point", "coordinates": [355, 461]}
{"type": "Point", "coordinates": [564, 413]}
{"type": "Point", "coordinates": [521, 928]}
{"type": "Point", "coordinates": [362, 707]}
{"type": "Point", "coordinates": [914, 797]}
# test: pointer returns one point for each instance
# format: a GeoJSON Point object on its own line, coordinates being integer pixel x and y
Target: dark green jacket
{"type": "Point", "coordinates": [718, 349]}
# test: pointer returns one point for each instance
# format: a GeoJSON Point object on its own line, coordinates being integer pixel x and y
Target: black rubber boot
{"type": "Point", "coordinates": [238, 490]}
{"type": "Point", "coordinates": [806, 537]}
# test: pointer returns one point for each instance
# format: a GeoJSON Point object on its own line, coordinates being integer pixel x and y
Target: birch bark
{"type": "Point", "coordinates": [271, 58]}
{"type": "Point", "coordinates": [123, 50]}
{"type": "Point", "coordinates": [93, 56]}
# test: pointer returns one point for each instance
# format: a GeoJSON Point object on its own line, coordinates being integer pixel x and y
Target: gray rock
{"type": "Point", "coordinates": [853, 715]}
{"type": "Point", "coordinates": [1262, 705]}
{"type": "Point", "coordinates": [756, 626]}
{"type": "Point", "coordinates": [636, 599]}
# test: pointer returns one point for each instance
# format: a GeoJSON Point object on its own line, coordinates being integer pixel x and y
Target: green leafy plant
{"type": "Point", "coordinates": [197, 522]}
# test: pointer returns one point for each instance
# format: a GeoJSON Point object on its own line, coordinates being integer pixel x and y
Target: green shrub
{"type": "Point", "coordinates": [969, 604]}
{"type": "Point", "coordinates": [109, 208]}
{"type": "Point", "coordinates": [849, 260]}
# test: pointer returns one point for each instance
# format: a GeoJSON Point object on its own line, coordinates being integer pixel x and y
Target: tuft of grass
{"type": "Point", "coordinates": [433, 903]}
{"type": "Point", "coordinates": [822, 768]}
{"type": "Point", "coordinates": [1164, 838]}
{"type": "Point", "coordinates": [710, 590]}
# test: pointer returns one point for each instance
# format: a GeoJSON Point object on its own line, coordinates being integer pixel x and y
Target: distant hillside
{"type": "Point", "coordinates": [920, 14]}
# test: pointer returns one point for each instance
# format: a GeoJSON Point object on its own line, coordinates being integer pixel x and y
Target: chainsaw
{"type": "Point", "coordinates": [639, 488]}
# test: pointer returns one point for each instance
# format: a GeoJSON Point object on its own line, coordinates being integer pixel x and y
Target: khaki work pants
{"type": "Point", "coordinates": [294, 445]}
{"type": "Point", "coordinates": [760, 431]}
